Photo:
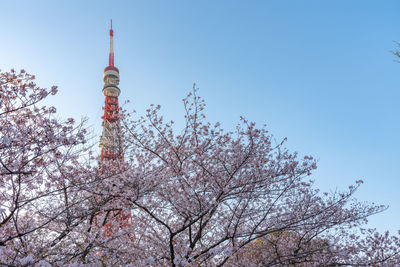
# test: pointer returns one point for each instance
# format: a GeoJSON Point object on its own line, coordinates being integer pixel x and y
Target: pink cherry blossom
{"type": "Point", "coordinates": [199, 196]}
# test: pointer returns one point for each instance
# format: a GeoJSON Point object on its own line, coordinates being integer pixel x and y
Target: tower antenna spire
{"type": "Point", "coordinates": [111, 55]}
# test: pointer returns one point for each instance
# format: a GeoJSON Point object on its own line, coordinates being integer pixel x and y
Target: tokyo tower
{"type": "Point", "coordinates": [110, 140]}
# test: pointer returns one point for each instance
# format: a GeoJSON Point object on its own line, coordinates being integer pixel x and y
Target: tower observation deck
{"type": "Point", "coordinates": [110, 140]}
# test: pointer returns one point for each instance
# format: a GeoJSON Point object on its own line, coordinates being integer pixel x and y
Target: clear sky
{"type": "Point", "coordinates": [317, 72]}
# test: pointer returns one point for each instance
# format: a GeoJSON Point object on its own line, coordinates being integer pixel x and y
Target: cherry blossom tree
{"type": "Point", "coordinates": [38, 159]}
{"type": "Point", "coordinates": [55, 206]}
{"type": "Point", "coordinates": [299, 249]}
{"type": "Point", "coordinates": [199, 197]}
{"type": "Point", "coordinates": [205, 197]}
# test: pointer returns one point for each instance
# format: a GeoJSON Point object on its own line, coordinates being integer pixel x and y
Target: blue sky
{"type": "Point", "coordinates": [317, 72]}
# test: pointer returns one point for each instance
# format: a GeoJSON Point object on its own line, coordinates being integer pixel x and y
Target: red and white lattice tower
{"type": "Point", "coordinates": [110, 140]}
